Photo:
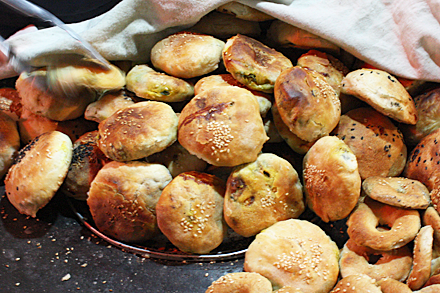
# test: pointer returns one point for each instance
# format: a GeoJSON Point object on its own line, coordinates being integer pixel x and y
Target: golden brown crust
{"type": "Point", "coordinates": [295, 253]}
{"type": "Point", "coordinates": [106, 106]}
{"type": "Point", "coordinates": [422, 256]}
{"type": "Point", "coordinates": [389, 285]}
{"type": "Point", "coordinates": [432, 218]}
{"type": "Point", "coordinates": [383, 92]}
{"type": "Point", "coordinates": [430, 289]}
{"type": "Point", "coordinates": [377, 143]}
{"type": "Point", "coordinates": [138, 131]}
{"type": "Point", "coordinates": [307, 103]}
{"type": "Point", "coordinates": [10, 102]}
{"type": "Point", "coordinates": [123, 197]}
{"type": "Point", "coordinates": [397, 191]}
{"type": "Point", "coordinates": [262, 193]}
{"type": "Point", "coordinates": [363, 222]}
{"type": "Point", "coordinates": [187, 55]}
{"type": "Point", "coordinates": [356, 284]}
{"type": "Point", "coordinates": [222, 126]}
{"type": "Point", "coordinates": [38, 172]}
{"type": "Point", "coordinates": [242, 282]}
{"type": "Point", "coordinates": [254, 64]}
{"type": "Point", "coordinates": [395, 264]}
{"type": "Point", "coordinates": [9, 142]}
{"type": "Point", "coordinates": [190, 212]}
{"type": "Point", "coordinates": [332, 182]}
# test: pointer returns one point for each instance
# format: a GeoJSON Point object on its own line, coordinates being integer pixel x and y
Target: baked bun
{"type": "Point", "coordinates": [363, 225]}
{"type": "Point", "coordinates": [37, 98]}
{"type": "Point", "coordinates": [432, 218]}
{"type": "Point", "coordinates": [222, 126]}
{"type": "Point", "coordinates": [107, 105]}
{"type": "Point", "coordinates": [293, 141]}
{"type": "Point", "coordinates": [332, 183]}
{"type": "Point", "coordinates": [10, 102]}
{"type": "Point", "coordinates": [187, 55]}
{"type": "Point", "coordinates": [123, 197]}
{"type": "Point", "coordinates": [294, 253]}
{"type": "Point", "coordinates": [428, 109]}
{"type": "Point", "coordinates": [240, 282]}
{"type": "Point", "coordinates": [282, 34]}
{"type": "Point", "coordinates": [210, 81]}
{"type": "Point", "coordinates": [9, 142]}
{"type": "Point", "coordinates": [190, 212]}
{"type": "Point", "coordinates": [430, 289]}
{"type": "Point", "coordinates": [377, 143]}
{"type": "Point", "coordinates": [224, 26]}
{"type": "Point", "coordinates": [261, 193]}
{"type": "Point", "coordinates": [422, 254]}
{"type": "Point", "coordinates": [178, 160]}
{"type": "Point", "coordinates": [422, 163]}
{"type": "Point", "coordinates": [87, 160]}
{"type": "Point", "coordinates": [397, 191]}
{"type": "Point", "coordinates": [252, 63]}
{"type": "Point", "coordinates": [243, 11]}
{"type": "Point", "coordinates": [31, 125]}
{"type": "Point", "coordinates": [357, 259]}
{"type": "Point", "coordinates": [307, 103]}
{"type": "Point", "coordinates": [381, 91]}
{"type": "Point", "coordinates": [149, 84]}
{"type": "Point", "coordinates": [38, 172]}
{"type": "Point", "coordinates": [389, 285]}
{"type": "Point", "coordinates": [138, 131]}
{"type": "Point", "coordinates": [358, 283]}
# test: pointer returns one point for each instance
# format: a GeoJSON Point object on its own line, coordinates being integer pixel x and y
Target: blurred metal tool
{"type": "Point", "coordinates": [32, 10]}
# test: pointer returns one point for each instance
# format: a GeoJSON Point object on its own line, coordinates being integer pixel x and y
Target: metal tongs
{"type": "Point", "coordinates": [32, 10]}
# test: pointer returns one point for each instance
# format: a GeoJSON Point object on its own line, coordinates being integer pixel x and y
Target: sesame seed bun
{"type": "Point", "coordinates": [222, 126]}
{"type": "Point", "coordinates": [332, 183]}
{"type": "Point", "coordinates": [38, 172]}
{"type": "Point", "coordinates": [377, 143]}
{"type": "Point", "coordinates": [295, 253]}
{"type": "Point", "coordinates": [307, 103]}
{"type": "Point", "coordinates": [138, 131]}
{"type": "Point", "coordinates": [123, 197]}
{"type": "Point", "coordinates": [9, 142]}
{"type": "Point", "coordinates": [261, 193]}
{"type": "Point", "coordinates": [357, 284]}
{"type": "Point", "coordinates": [187, 55]}
{"type": "Point", "coordinates": [190, 212]}
{"type": "Point", "coordinates": [240, 282]}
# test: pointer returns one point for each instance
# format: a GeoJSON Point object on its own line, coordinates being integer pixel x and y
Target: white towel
{"type": "Point", "coordinates": [399, 36]}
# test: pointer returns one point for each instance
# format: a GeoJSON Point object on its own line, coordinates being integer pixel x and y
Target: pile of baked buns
{"type": "Point", "coordinates": [178, 146]}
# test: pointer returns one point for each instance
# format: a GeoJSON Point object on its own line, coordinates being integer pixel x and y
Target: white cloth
{"type": "Point", "coordinates": [400, 36]}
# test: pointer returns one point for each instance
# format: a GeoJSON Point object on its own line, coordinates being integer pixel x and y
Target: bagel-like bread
{"type": "Point", "coordinates": [381, 91]}
{"type": "Point", "coordinates": [107, 105]}
{"type": "Point", "coordinates": [37, 98]}
{"type": "Point", "coordinates": [243, 11]}
{"type": "Point", "coordinates": [149, 84]}
{"type": "Point", "coordinates": [293, 141]}
{"type": "Point", "coordinates": [395, 264]}
{"type": "Point", "coordinates": [123, 197]}
{"type": "Point", "coordinates": [432, 218]}
{"type": "Point", "coordinates": [363, 225]}
{"type": "Point", "coordinates": [332, 183]}
{"type": "Point", "coordinates": [397, 191]}
{"type": "Point", "coordinates": [222, 126]}
{"type": "Point", "coordinates": [187, 55]}
{"type": "Point", "coordinates": [240, 282]}
{"type": "Point", "coordinates": [87, 160]}
{"type": "Point", "coordinates": [428, 109]}
{"type": "Point", "coordinates": [190, 212]}
{"type": "Point", "coordinates": [430, 289]}
{"type": "Point", "coordinates": [283, 34]}
{"type": "Point", "coordinates": [38, 172]}
{"type": "Point", "coordinates": [210, 81]}
{"type": "Point", "coordinates": [138, 131]}
{"type": "Point", "coordinates": [261, 193]}
{"type": "Point", "coordinates": [295, 253]}
{"type": "Point", "coordinates": [9, 142]}
{"type": "Point", "coordinates": [389, 285]}
{"type": "Point", "coordinates": [31, 125]}
{"type": "Point", "coordinates": [377, 143]}
{"type": "Point", "coordinates": [357, 284]}
{"type": "Point", "coordinates": [422, 254]}
{"type": "Point", "coordinates": [307, 103]}
{"type": "Point", "coordinates": [434, 279]}
{"type": "Point", "coordinates": [254, 64]}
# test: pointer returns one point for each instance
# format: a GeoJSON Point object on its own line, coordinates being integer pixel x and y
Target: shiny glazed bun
{"type": "Point", "coordinates": [38, 172]}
